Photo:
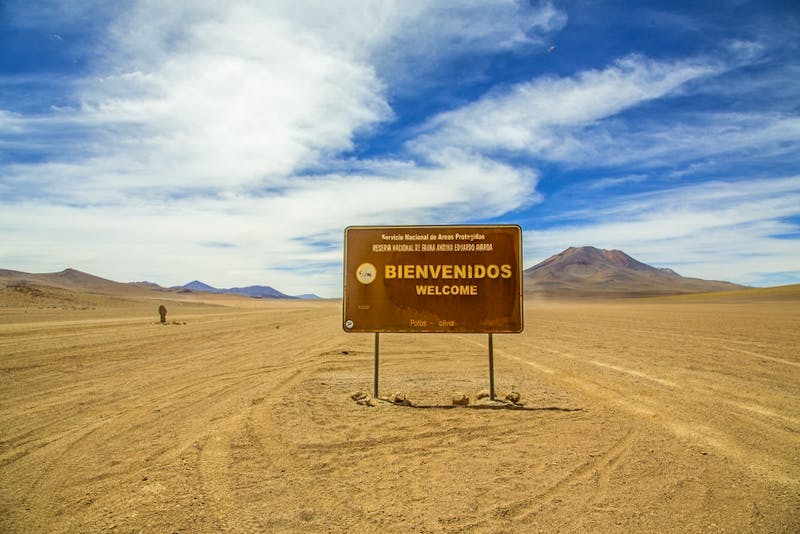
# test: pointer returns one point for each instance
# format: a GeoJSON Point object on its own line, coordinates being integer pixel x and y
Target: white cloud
{"type": "Point", "coordinates": [533, 117]}
{"type": "Point", "coordinates": [455, 187]}
{"type": "Point", "coordinates": [424, 29]}
{"type": "Point", "coordinates": [193, 96]}
{"type": "Point", "coordinates": [226, 97]}
{"type": "Point", "coordinates": [579, 121]}
{"type": "Point", "coordinates": [676, 140]}
{"type": "Point", "coordinates": [187, 150]}
{"type": "Point", "coordinates": [286, 237]}
{"type": "Point", "coordinates": [616, 181]}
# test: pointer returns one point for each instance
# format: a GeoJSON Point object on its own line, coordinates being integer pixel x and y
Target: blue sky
{"type": "Point", "coordinates": [232, 142]}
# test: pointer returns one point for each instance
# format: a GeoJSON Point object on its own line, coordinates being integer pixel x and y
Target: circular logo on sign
{"type": "Point", "coordinates": [366, 273]}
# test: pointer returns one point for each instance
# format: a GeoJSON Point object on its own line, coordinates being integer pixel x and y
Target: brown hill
{"type": "Point", "coordinates": [589, 271]}
{"type": "Point", "coordinates": [71, 289]}
{"type": "Point", "coordinates": [73, 280]}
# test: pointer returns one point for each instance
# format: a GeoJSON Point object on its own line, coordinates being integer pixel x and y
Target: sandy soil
{"type": "Point", "coordinates": [660, 416]}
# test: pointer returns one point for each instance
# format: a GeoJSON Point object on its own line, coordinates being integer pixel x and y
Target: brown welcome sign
{"type": "Point", "coordinates": [465, 279]}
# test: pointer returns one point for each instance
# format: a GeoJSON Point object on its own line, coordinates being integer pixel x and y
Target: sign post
{"type": "Point", "coordinates": [377, 351]}
{"type": "Point", "coordinates": [433, 279]}
{"type": "Point", "coordinates": [491, 367]}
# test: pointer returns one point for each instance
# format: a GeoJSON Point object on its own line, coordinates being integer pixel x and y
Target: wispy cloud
{"type": "Point", "coordinates": [536, 117]}
{"type": "Point", "coordinates": [590, 119]}
{"type": "Point", "coordinates": [262, 234]}
{"type": "Point", "coordinates": [426, 35]}
{"type": "Point", "coordinates": [239, 100]}
{"type": "Point", "coordinates": [680, 140]}
{"type": "Point", "coordinates": [218, 124]}
{"type": "Point", "coordinates": [617, 181]}
{"type": "Point", "coordinates": [200, 95]}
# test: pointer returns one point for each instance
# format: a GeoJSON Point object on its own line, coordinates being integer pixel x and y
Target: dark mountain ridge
{"type": "Point", "coordinates": [260, 292]}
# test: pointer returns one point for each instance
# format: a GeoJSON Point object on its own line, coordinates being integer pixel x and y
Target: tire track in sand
{"type": "Point", "coordinates": [242, 463]}
{"type": "Point", "coordinates": [596, 473]}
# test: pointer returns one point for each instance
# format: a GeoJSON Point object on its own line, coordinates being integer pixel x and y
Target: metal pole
{"type": "Point", "coordinates": [377, 350]}
{"type": "Point", "coordinates": [491, 367]}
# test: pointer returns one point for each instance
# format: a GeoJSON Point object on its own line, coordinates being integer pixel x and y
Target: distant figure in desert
{"type": "Point", "coordinates": [162, 311]}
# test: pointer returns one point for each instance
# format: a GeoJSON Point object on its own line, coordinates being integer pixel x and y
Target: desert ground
{"type": "Point", "coordinates": [651, 415]}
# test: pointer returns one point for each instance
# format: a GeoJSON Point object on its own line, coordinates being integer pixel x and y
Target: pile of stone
{"type": "Point", "coordinates": [460, 399]}
{"type": "Point", "coordinates": [363, 399]}
{"type": "Point", "coordinates": [513, 397]}
{"type": "Point", "coordinates": [399, 398]}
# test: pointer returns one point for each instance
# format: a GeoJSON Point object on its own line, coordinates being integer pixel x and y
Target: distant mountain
{"type": "Point", "coordinates": [145, 283]}
{"type": "Point", "coordinates": [75, 280]}
{"type": "Point", "coordinates": [197, 285]}
{"type": "Point", "coordinates": [308, 296]}
{"type": "Point", "coordinates": [589, 271]}
{"type": "Point", "coordinates": [262, 292]}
